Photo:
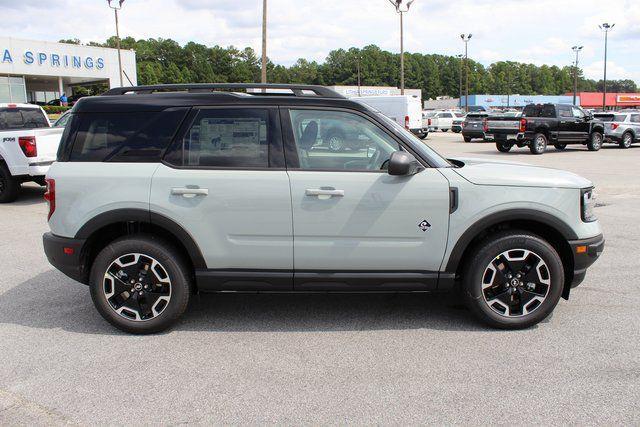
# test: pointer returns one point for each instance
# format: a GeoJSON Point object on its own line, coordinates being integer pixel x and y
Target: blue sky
{"type": "Point", "coordinates": [533, 31]}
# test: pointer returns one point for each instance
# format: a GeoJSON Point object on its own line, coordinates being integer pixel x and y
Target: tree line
{"type": "Point", "coordinates": [166, 61]}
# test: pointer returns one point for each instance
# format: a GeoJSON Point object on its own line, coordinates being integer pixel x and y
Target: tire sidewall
{"type": "Point", "coordinates": [627, 140]}
{"type": "Point", "coordinates": [472, 282]}
{"type": "Point", "coordinates": [503, 146]}
{"type": "Point", "coordinates": [539, 144]}
{"type": "Point", "coordinates": [340, 137]}
{"type": "Point", "coordinates": [595, 141]}
{"type": "Point", "coordinates": [11, 189]}
{"type": "Point", "coordinates": [165, 255]}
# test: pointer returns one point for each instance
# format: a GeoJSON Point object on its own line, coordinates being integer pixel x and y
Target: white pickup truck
{"type": "Point", "coordinates": [28, 146]}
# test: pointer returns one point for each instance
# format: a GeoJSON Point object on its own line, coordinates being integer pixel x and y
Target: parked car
{"type": "Point", "coordinates": [558, 125]}
{"type": "Point", "coordinates": [427, 120]}
{"type": "Point", "coordinates": [162, 191]}
{"type": "Point", "coordinates": [443, 120]}
{"type": "Point", "coordinates": [404, 109]}
{"type": "Point", "coordinates": [458, 122]}
{"type": "Point", "coordinates": [621, 128]}
{"type": "Point", "coordinates": [474, 126]}
{"type": "Point", "coordinates": [27, 149]}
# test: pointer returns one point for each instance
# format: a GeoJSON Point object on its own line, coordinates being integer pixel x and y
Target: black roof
{"type": "Point", "coordinates": [160, 97]}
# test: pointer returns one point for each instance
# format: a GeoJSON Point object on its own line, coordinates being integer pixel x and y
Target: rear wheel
{"type": "Point", "coordinates": [539, 144]}
{"type": "Point", "coordinates": [140, 284]}
{"type": "Point", "coordinates": [560, 146]}
{"type": "Point", "coordinates": [445, 130]}
{"type": "Point", "coordinates": [503, 146]}
{"type": "Point", "coordinates": [514, 280]}
{"type": "Point", "coordinates": [627, 140]}
{"type": "Point", "coordinates": [467, 138]}
{"type": "Point", "coordinates": [424, 135]}
{"type": "Point", "coordinates": [595, 141]}
{"type": "Point", "coordinates": [9, 186]}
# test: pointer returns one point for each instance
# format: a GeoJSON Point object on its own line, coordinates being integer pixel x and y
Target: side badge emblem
{"type": "Point", "coordinates": [424, 225]}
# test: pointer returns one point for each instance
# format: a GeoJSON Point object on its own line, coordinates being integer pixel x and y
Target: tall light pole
{"type": "Point", "coordinates": [402, 7]}
{"type": "Point", "coordinates": [358, 58]}
{"type": "Point", "coordinates": [116, 8]}
{"type": "Point", "coordinates": [606, 27]}
{"type": "Point", "coordinates": [577, 50]}
{"type": "Point", "coordinates": [460, 56]}
{"type": "Point", "coordinates": [264, 41]}
{"type": "Point", "coordinates": [465, 38]}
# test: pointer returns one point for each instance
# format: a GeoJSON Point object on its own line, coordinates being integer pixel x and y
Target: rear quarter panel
{"type": "Point", "coordinates": [85, 190]}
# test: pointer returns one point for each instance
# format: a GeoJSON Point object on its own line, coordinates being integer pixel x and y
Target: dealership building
{"type": "Point", "coordinates": [38, 71]}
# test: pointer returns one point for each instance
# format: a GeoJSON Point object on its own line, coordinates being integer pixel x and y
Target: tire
{"type": "Point", "coordinates": [130, 310]}
{"type": "Point", "coordinates": [336, 142]}
{"type": "Point", "coordinates": [539, 144]}
{"type": "Point", "coordinates": [467, 138]}
{"type": "Point", "coordinates": [424, 135]}
{"type": "Point", "coordinates": [445, 130]}
{"type": "Point", "coordinates": [503, 146]}
{"type": "Point", "coordinates": [455, 131]}
{"type": "Point", "coordinates": [498, 296]}
{"type": "Point", "coordinates": [560, 147]}
{"type": "Point", "coordinates": [9, 186]}
{"type": "Point", "coordinates": [626, 141]}
{"type": "Point", "coordinates": [595, 141]}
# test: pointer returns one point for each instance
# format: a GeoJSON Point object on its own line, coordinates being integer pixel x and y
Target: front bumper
{"type": "Point", "coordinates": [66, 255]}
{"type": "Point", "coordinates": [585, 253]}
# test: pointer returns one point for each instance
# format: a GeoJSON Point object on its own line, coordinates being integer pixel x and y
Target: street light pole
{"type": "Point", "coordinates": [115, 11]}
{"type": "Point", "coordinates": [465, 38]}
{"type": "Point", "coordinates": [460, 56]}
{"type": "Point", "coordinates": [264, 42]}
{"type": "Point", "coordinates": [398, 4]}
{"type": "Point", "coordinates": [606, 27]}
{"type": "Point", "coordinates": [577, 50]}
{"type": "Point", "coordinates": [359, 75]}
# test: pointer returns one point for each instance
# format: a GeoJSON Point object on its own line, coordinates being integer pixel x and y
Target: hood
{"type": "Point", "coordinates": [494, 172]}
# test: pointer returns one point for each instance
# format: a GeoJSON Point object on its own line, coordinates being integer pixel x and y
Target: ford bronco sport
{"type": "Point", "coordinates": [160, 192]}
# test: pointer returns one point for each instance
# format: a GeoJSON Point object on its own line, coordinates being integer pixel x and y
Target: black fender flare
{"type": "Point", "coordinates": [144, 216]}
{"type": "Point", "coordinates": [500, 217]}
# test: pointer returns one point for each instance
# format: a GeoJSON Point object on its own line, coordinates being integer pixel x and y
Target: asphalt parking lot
{"type": "Point", "coordinates": [330, 359]}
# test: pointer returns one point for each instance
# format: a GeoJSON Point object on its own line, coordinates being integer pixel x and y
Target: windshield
{"type": "Point", "coordinates": [422, 148]}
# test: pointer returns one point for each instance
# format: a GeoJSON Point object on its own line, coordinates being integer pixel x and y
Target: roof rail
{"type": "Point", "coordinates": [297, 90]}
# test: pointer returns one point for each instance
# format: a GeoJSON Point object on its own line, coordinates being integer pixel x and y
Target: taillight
{"type": "Point", "coordinates": [28, 145]}
{"type": "Point", "coordinates": [485, 125]}
{"type": "Point", "coordinates": [429, 122]}
{"type": "Point", "coordinates": [523, 125]}
{"type": "Point", "coordinates": [464, 124]}
{"type": "Point", "coordinates": [614, 126]}
{"type": "Point", "coordinates": [50, 196]}
{"type": "Point", "coordinates": [406, 122]}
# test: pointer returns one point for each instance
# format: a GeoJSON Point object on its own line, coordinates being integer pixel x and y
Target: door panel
{"type": "Point", "coordinates": [374, 225]}
{"type": "Point", "coordinates": [220, 184]}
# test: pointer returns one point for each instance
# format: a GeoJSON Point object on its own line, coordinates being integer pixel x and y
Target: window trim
{"type": "Point", "coordinates": [275, 157]}
{"type": "Point", "coordinates": [290, 147]}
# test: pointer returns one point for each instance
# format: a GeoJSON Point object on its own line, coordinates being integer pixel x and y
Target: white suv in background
{"type": "Point", "coordinates": [160, 192]}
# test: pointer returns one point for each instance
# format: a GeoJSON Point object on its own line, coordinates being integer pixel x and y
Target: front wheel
{"type": "Point", "coordinates": [539, 144]}
{"type": "Point", "coordinates": [9, 186]}
{"type": "Point", "coordinates": [140, 284]}
{"type": "Point", "coordinates": [514, 280]}
{"type": "Point", "coordinates": [595, 141]}
{"type": "Point", "coordinates": [503, 146]}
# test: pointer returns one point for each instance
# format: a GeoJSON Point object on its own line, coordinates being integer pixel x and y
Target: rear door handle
{"type": "Point", "coordinates": [189, 192]}
{"type": "Point", "coordinates": [324, 192]}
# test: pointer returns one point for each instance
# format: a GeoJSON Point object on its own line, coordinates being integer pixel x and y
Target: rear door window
{"type": "Point", "coordinates": [227, 138]}
{"type": "Point", "coordinates": [22, 118]}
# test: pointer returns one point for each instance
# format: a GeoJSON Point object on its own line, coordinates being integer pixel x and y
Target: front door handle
{"type": "Point", "coordinates": [324, 192]}
{"type": "Point", "coordinates": [189, 192]}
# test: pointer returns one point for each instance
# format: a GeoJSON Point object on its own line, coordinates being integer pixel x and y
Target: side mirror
{"type": "Point", "coordinates": [402, 163]}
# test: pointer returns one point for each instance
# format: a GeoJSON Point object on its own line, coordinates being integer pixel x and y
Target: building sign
{"type": "Point", "coordinates": [634, 99]}
{"type": "Point", "coordinates": [54, 60]}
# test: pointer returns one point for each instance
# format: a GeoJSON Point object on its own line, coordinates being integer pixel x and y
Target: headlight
{"type": "Point", "coordinates": [588, 203]}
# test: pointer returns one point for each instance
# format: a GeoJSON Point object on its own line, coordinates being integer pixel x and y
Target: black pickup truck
{"type": "Point", "coordinates": [550, 124]}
